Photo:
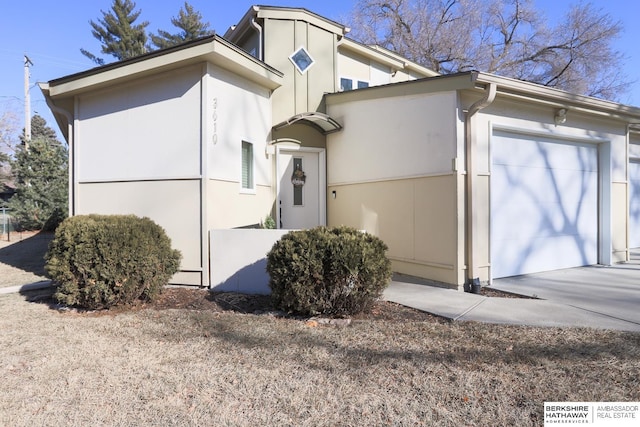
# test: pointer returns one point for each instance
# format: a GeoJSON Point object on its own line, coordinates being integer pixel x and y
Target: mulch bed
{"type": "Point", "coordinates": [197, 299]}
{"type": "Point", "coordinates": [186, 298]}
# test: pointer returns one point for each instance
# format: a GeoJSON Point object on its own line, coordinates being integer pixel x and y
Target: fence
{"type": "Point", "coordinates": [6, 224]}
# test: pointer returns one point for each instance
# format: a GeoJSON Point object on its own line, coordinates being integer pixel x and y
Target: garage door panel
{"type": "Point", "coordinates": [544, 204]}
{"type": "Point", "coordinates": [532, 152]}
{"type": "Point", "coordinates": [524, 256]}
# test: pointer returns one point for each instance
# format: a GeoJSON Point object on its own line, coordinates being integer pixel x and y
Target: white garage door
{"type": "Point", "coordinates": [544, 204]}
{"type": "Point", "coordinates": [634, 205]}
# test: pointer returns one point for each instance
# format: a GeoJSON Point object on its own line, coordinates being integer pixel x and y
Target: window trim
{"type": "Point", "coordinates": [251, 189]}
{"type": "Point", "coordinates": [354, 83]}
{"type": "Point", "coordinates": [295, 64]}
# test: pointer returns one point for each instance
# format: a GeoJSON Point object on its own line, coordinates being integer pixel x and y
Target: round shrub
{"type": "Point", "coordinates": [334, 271]}
{"type": "Point", "coordinates": [100, 261]}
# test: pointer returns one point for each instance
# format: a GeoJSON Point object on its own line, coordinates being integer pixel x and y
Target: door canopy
{"type": "Point", "coordinates": [319, 121]}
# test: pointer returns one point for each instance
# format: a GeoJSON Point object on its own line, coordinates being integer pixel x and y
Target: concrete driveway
{"type": "Point", "coordinates": [596, 297]}
{"type": "Point", "coordinates": [612, 291]}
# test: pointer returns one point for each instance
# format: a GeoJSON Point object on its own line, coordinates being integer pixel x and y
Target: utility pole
{"type": "Point", "coordinates": [27, 103]}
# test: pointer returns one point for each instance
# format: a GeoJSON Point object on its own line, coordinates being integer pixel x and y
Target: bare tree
{"type": "Point", "coordinates": [8, 128]}
{"type": "Point", "coordinates": [505, 37]}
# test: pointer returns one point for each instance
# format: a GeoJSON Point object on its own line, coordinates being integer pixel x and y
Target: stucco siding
{"type": "Point", "coordinates": [227, 207]}
{"type": "Point", "coordinates": [174, 205]}
{"type": "Point", "coordinates": [237, 111]}
{"type": "Point", "coordinates": [147, 129]}
{"type": "Point", "coordinates": [619, 222]}
{"type": "Point", "coordinates": [359, 68]}
{"type": "Point", "coordinates": [390, 138]}
{"type": "Point", "coordinates": [416, 218]}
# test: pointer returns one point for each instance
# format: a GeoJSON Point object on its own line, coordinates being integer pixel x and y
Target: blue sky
{"type": "Point", "coordinates": [52, 33]}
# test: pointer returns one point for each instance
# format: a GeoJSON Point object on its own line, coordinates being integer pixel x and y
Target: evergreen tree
{"type": "Point", "coordinates": [189, 22]}
{"type": "Point", "coordinates": [118, 34]}
{"type": "Point", "coordinates": [39, 129]}
{"type": "Point", "coordinates": [41, 179]}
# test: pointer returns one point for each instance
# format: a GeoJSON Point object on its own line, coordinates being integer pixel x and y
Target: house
{"type": "Point", "coordinates": [7, 190]}
{"type": "Point", "coordinates": [467, 177]}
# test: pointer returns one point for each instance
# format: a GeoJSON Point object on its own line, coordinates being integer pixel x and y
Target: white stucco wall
{"type": "Point", "coordinates": [147, 129]}
{"type": "Point", "coordinates": [237, 111]}
{"type": "Point", "coordinates": [391, 138]}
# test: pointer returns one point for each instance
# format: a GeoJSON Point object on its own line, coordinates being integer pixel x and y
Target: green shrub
{"type": "Point", "coordinates": [269, 223]}
{"type": "Point", "coordinates": [334, 271]}
{"type": "Point", "coordinates": [100, 261]}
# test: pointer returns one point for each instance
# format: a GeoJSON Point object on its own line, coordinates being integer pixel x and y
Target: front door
{"type": "Point", "coordinates": [301, 201]}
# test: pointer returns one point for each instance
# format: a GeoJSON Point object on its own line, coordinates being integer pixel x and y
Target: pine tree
{"type": "Point", "coordinates": [189, 22]}
{"type": "Point", "coordinates": [40, 129]}
{"type": "Point", "coordinates": [118, 34]}
{"type": "Point", "coordinates": [41, 179]}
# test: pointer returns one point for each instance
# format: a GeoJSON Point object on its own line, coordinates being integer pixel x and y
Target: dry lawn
{"type": "Point", "coordinates": [210, 367]}
{"type": "Point", "coordinates": [22, 258]}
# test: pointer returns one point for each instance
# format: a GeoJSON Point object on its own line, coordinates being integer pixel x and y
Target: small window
{"type": "Point", "coordinates": [302, 60]}
{"type": "Point", "coordinates": [350, 84]}
{"type": "Point", "coordinates": [297, 189]}
{"type": "Point", "coordinates": [247, 165]}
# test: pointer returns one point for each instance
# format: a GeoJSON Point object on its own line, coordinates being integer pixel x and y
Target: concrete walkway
{"type": "Point", "coordinates": [596, 297]}
{"type": "Point", "coordinates": [26, 288]}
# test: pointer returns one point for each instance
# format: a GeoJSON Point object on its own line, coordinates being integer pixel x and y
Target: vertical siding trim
{"type": "Point", "coordinates": [204, 175]}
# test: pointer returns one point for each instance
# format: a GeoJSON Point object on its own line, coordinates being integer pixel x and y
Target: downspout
{"type": "Point", "coordinates": [44, 88]}
{"type": "Point", "coordinates": [473, 277]}
{"type": "Point", "coordinates": [258, 28]}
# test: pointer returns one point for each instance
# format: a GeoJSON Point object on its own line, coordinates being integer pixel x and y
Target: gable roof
{"type": "Point", "coordinates": [212, 49]}
{"type": "Point", "coordinates": [235, 32]}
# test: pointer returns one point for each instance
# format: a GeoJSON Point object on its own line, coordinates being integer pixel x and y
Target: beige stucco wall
{"type": "Point", "coordinates": [228, 207]}
{"type": "Point", "coordinates": [174, 205]}
{"type": "Point", "coordinates": [169, 147]}
{"type": "Point", "coordinates": [400, 157]}
{"type": "Point", "coordinates": [359, 68]}
{"type": "Point", "coordinates": [356, 66]}
{"type": "Point", "coordinates": [416, 218]}
{"type": "Point", "coordinates": [619, 223]}
{"type": "Point", "coordinates": [391, 168]}
{"type": "Point", "coordinates": [137, 151]}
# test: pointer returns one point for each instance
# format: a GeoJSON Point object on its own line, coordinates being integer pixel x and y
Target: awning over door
{"type": "Point", "coordinates": [321, 122]}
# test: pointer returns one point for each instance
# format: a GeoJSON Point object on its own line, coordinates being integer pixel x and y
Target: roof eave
{"type": "Point", "coordinates": [537, 93]}
{"type": "Point", "coordinates": [212, 49]}
{"type": "Point", "coordinates": [506, 88]}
